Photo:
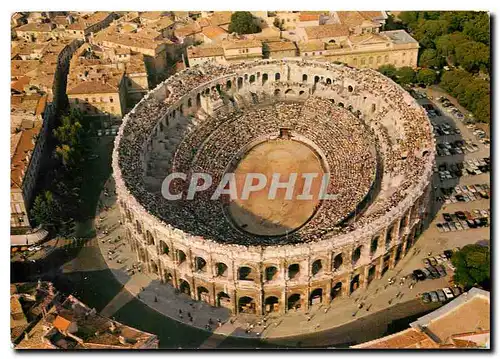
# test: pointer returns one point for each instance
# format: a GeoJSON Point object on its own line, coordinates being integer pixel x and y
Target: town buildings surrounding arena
{"type": "Point", "coordinates": [42, 318]}
{"type": "Point", "coordinates": [355, 38]}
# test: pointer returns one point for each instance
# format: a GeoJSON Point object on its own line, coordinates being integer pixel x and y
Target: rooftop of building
{"type": "Point", "coordinates": [462, 323]}
{"type": "Point", "coordinates": [400, 37]}
{"type": "Point", "coordinates": [326, 31]}
{"type": "Point", "coordinates": [205, 51]}
{"type": "Point", "coordinates": [275, 46]}
{"type": "Point", "coordinates": [241, 44]}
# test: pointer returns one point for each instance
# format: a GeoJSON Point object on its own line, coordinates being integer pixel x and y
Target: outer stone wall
{"type": "Point", "coordinates": [258, 279]}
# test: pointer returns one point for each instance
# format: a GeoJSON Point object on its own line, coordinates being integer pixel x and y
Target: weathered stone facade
{"type": "Point", "coordinates": [277, 278]}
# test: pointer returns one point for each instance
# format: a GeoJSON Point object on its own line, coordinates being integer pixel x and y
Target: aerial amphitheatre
{"type": "Point", "coordinates": [262, 246]}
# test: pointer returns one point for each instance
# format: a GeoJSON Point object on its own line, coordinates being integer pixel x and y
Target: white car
{"type": "Point", "coordinates": [448, 293]}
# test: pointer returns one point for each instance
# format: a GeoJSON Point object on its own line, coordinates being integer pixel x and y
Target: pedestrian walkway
{"type": "Point", "coordinates": [379, 296]}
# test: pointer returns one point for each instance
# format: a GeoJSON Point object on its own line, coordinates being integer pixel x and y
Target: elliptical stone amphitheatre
{"type": "Point", "coordinates": [369, 134]}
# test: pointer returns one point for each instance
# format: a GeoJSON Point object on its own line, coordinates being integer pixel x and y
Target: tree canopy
{"type": "Point", "coordinates": [455, 38]}
{"type": "Point", "coordinates": [243, 22]}
{"type": "Point", "coordinates": [405, 75]}
{"type": "Point", "coordinates": [472, 264]}
{"type": "Point", "coordinates": [426, 76]}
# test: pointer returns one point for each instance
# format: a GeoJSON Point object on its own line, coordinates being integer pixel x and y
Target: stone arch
{"type": "Point", "coordinates": [293, 271]}
{"type": "Point", "coordinates": [328, 81]}
{"type": "Point", "coordinates": [184, 287]}
{"type": "Point", "coordinates": [200, 264]}
{"type": "Point", "coordinates": [302, 93]}
{"type": "Point", "coordinates": [354, 283]}
{"type": "Point", "coordinates": [203, 294]}
{"type": "Point", "coordinates": [252, 79]}
{"type": "Point", "coordinates": [271, 304]}
{"type": "Point", "coordinates": [169, 278]}
{"type": "Point", "coordinates": [316, 79]}
{"type": "Point", "coordinates": [317, 267]}
{"type": "Point", "coordinates": [240, 82]}
{"type": "Point", "coordinates": [198, 99]}
{"type": "Point", "coordinates": [138, 227]}
{"type": "Point", "coordinates": [164, 249]}
{"type": "Point", "coordinates": [142, 254]}
{"type": "Point", "coordinates": [265, 77]}
{"type": "Point", "coordinates": [277, 76]}
{"type": "Point", "coordinates": [374, 245]}
{"type": "Point", "coordinates": [388, 236]}
{"type": "Point", "coordinates": [246, 305]}
{"type": "Point", "coordinates": [304, 78]}
{"type": "Point", "coordinates": [271, 273]}
{"type": "Point", "coordinates": [181, 256]}
{"type": "Point", "coordinates": [228, 85]}
{"type": "Point", "coordinates": [350, 88]}
{"type": "Point", "coordinates": [149, 238]}
{"type": "Point", "coordinates": [371, 274]}
{"type": "Point", "coordinates": [356, 254]}
{"type": "Point", "coordinates": [290, 92]}
{"type": "Point", "coordinates": [341, 104]}
{"type": "Point", "coordinates": [316, 296]}
{"type": "Point", "coordinates": [277, 92]}
{"type": "Point", "coordinates": [246, 273]}
{"type": "Point", "coordinates": [154, 266]}
{"type": "Point", "coordinates": [190, 103]}
{"type": "Point", "coordinates": [223, 299]}
{"type": "Point", "coordinates": [294, 301]}
{"type": "Point", "coordinates": [399, 252]}
{"type": "Point", "coordinates": [246, 77]}
{"type": "Point", "coordinates": [338, 260]}
{"type": "Point", "coordinates": [221, 269]}
{"type": "Point", "coordinates": [336, 291]}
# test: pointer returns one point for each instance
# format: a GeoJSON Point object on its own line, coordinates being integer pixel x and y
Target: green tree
{"type": "Point", "coordinates": [405, 75]}
{"type": "Point", "coordinates": [426, 76]}
{"type": "Point", "coordinates": [429, 30]}
{"type": "Point", "coordinates": [479, 28]}
{"type": "Point", "coordinates": [389, 71]}
{"type": "Point", "coordinates": [242, 22]}
{"type": "Point", "coordinates": [472, 264]}
{"type": "Point", "coordinates": [410, 18]}
{"type": "Point", "coordinates": [473, 56]}
{"type": "Point", "coordinates": [392, 24]}
{"type": "Point", "coordinates": [46, 210]}
{"type": "Point", "coordinates": [446, 45]}
{"type": "Point", "coordinates": [277, 23]}
{"type": "Point", "coordinates": [430, 58]}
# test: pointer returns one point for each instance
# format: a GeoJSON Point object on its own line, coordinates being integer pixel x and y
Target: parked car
{"type": "Point", "coordinates": [434, 297]}
{"type": "Point", "coordinates": [419, 274]}
{"type": "Point", "coordinates": [426, 262]}
{"type": "Point", "coordinates": [433, 261]}
{"type": "Point", "coordinates": [456, 291]}
{"type": "Point", "coordinates": [448, 253]}
{"type": "Point", "coordinates": [448, 293]}
{"type": "Point", "coordinates": [434, 272]}
{"type": "Point", "coordinates": [441, 295]}
{"type": "Point", "coordinates": [441, 270]}
{"type": "Point", "coordinates": [426, 273]}
{"type": "Point", "coordinates": [426, 298]}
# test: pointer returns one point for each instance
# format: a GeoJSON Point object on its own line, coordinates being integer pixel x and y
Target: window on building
{"type": "Point", "coordinates": [111, 99]}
